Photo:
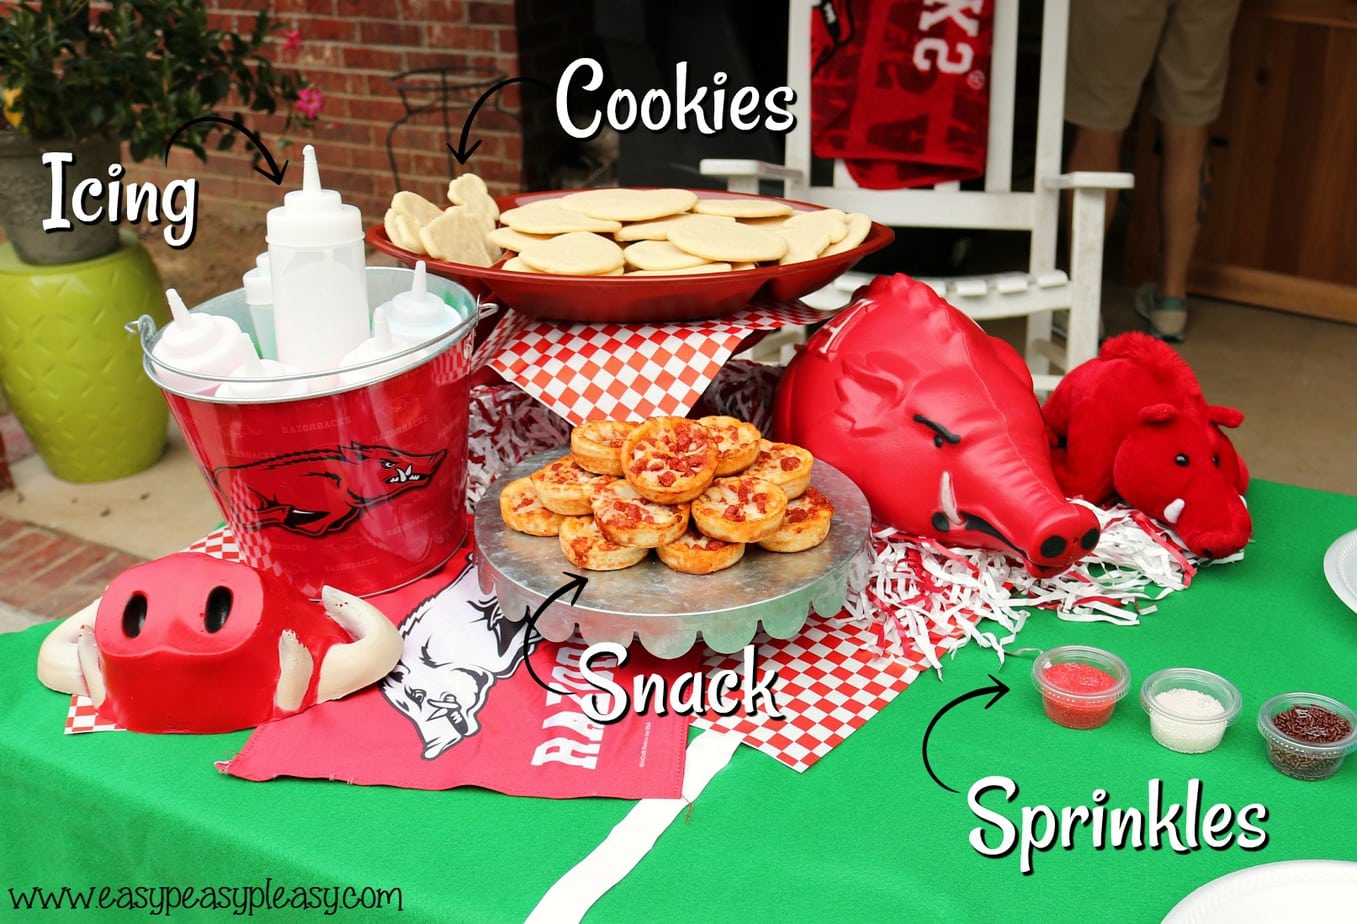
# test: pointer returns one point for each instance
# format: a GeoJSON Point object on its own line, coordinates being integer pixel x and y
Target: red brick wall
{"type": "Point", "coordinates": [350, 50]}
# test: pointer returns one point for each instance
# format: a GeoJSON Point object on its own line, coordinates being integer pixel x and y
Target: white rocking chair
{"type": "Point", "coordinates": [1034, 291]}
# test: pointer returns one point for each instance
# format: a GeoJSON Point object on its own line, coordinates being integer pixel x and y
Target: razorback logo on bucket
{"type": "Point", "coordinates": [321, 490]}
{"type": "Point", "coordinates": [363, 489]}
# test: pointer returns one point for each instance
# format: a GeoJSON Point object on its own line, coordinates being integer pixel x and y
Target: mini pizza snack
{"type": "Point", "coordinates": [597, 445]}
{"type": "Point", "coordinates": [566, 488]}
{"type": "Point", "coordinates": [683, 234]}
{"type": "Point", "coordinates": [586, 547]}
{"type": "Point", "coordinates": [669, 459]}
{"type": "Point", "coordinates": [740, 509]}
{"type": "Point", "coordinates": [696, 491]}
{"type": "Point", "coordinates": [627, 518]}
{"type": "Point", "coordinates": [522, 511]}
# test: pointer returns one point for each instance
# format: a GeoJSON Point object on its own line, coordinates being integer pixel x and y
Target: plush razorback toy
{"type": "Point", "coordinates": [937, 423]}
{"type": "Point", "coordinates": [192, 643]}
{"type": "Point", "coordinates": [1133, 423]}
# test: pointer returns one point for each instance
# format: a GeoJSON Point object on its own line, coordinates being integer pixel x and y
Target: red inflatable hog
{"type": "Point", "coordinates": [937, 422]}
{"type": "Point", "coordinates": [1133, 423]}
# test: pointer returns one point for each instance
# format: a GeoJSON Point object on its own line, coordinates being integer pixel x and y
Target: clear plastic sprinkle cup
{"type": "Point", "coordinates": [1298, 727]}
{"type": "Point", "coordinates": [1080, 685]}
{"type": "Point", "coordinates": [1189, 709]}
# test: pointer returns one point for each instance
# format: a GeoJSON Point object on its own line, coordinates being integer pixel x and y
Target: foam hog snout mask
{"type": "Point", "coordinates": [937, 423]}
{"type": "Point", "coordinates": [192, 643]}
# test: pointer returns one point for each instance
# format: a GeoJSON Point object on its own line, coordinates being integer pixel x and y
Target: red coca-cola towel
{"type": "Point", "coordinates": [899, 89]}
{"type": "Point", "coordinates": [461, 709]}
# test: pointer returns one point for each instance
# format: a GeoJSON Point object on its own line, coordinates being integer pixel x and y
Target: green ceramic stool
{"type": "Point", "coordinates": [72, 373]}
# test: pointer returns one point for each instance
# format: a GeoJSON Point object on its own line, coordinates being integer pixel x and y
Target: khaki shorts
{"type": "Point", "coordinates": [1115, 44]}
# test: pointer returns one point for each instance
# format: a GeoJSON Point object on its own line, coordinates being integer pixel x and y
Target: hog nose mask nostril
{"type": "Point", "coordinates": [1052, 546]}
{"type": "Point", "coordinates": [1090, 539]}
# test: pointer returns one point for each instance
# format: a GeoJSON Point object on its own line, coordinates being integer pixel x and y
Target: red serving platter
{"type": "Point", "coordinates": [631, 299]}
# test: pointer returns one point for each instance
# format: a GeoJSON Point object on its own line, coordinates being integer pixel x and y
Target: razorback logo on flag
{"type": "Point", "coordinates": [462, 709]}
{"type": "Point", "coordinates": [900, 89]}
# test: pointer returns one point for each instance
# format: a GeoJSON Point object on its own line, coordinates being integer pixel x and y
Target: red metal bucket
{"type": "Point", "coordinates": [362, 488]}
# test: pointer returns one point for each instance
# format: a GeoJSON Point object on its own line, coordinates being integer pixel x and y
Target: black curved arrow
{"type": "Point", "coordinates": [274, 173]}
{"type": "Point", "coordinates": [999, 689]}
{"type": "Point", "coordinates": [576, 584]}
{"type": "Point", "coordinates": [462, 152]}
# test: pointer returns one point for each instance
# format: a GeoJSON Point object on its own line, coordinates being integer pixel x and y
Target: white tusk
{"type": "Point", "coordinates": [947, 500]}
{"type": "Point", "coordinates": [294, 672]}
{"type": "Point", "coordinates": [1174, 510]}
{"type": "Point", "coordinates": [368, 658]}
{"type": "Point", "coordinates": [1245, 501]}
{"type": "Point", "coordinates": [88, 652]}
{"type": "Point", "coordinates": [59, 658]}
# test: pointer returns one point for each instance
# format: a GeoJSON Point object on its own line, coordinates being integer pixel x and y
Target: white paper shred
{"type": "Point", "coordinates": [919, 592]}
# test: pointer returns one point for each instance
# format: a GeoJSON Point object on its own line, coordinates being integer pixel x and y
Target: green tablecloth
{"type": "Point", "coordinates": [865, 835]}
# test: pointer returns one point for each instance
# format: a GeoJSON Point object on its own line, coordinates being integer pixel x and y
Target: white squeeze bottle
{"type": "Point", "coordinates": [198, 342]}
{"type": "Point", "coordinates": [259, 297]}
{"type": "Point", "coordinates": [250, 381]}
{"type": "Point", "coordinates": [379, 346]}
{"type": "Point", "coordinates": [319, 272]}
{"type": "Point", "coordinates": [418, 315]}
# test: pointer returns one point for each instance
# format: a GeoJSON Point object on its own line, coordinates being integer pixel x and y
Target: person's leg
{"type": "Point", "coordinates": [1100, 150]}
{"type": "Point", "coordinates": [1182, 203]}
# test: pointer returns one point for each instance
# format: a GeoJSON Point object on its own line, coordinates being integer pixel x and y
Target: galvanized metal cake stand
{"type": "Point", "coordinates": [667, 610]}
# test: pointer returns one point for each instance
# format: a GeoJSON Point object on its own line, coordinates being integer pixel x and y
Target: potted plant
{"type": "Point", "coordinates": [86, 82]}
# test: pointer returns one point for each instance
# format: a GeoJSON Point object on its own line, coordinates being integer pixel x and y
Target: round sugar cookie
{"type": "Point", "coordinates": [694, 553]}
{"type": "Point", "coordinates": [805, 525]}
{"type": "Point", "coordinates": [577, 253]}
{"type": "Point", "coordinates": [516, 265]}
{"type": "Point", "coordinates": [509, 239]}
{"type": "Point", "coordinates": [686, 271]}
{"type": "Point", "coordinates": [742, 207]}
{"type": "Point", "coordinates": [627, 518]}
{"type": "Point", "coordinates": [658, 230]}
{"type": "Point", "coordinates": [522, 511]}
{"type": "Point", "coordinates": [548, 216]}
{"type": "Point", "coordinates": [585, 546]}
{"type": "Point", "coordinates": [659, 255]}
{"type": "Point", "coordinates": [728, 243]}
{"type": "Point", "coordinates": [832, 221]}
{"type": "Point", "coordinates": [623, 204]}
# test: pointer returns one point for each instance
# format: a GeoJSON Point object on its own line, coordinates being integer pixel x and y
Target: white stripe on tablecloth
{"type": "Point", "coordinates": [632, 837]}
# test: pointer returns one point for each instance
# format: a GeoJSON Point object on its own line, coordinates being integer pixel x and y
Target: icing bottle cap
{"type": "Point", "coordinates": [199, 342]}
{"type": "Point", "coordinates": [253, 379]}
{"type": "Point", "coordinates": [313, 216]}
{"type": "Point", "coordinates": [418, 315]}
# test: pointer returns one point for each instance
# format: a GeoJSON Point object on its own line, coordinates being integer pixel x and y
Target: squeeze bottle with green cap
{"type": "Point", "coordinates": [418, 315]}
{"type": "Point", "coordinates": [319, 272]}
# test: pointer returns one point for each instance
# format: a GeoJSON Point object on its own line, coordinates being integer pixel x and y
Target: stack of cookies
{"type": "Point", "coordinates": [622, 231]}
{"type": "Point", "coordinates": [696, 491]}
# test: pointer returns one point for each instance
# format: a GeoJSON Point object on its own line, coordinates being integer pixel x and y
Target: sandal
{"type": "Point", "coordinates": [1167, 315]}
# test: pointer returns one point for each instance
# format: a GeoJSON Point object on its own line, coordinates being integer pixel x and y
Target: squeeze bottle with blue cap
{"type": "Point", "coordinates": [417, 316]}
{"type": "Point", "coordinates": [319, 272]}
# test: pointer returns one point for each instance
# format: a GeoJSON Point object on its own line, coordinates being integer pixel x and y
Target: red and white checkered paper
{"type": "Point", "coordinates": [831, 680]}
{"type": "Point", "coordinates": [81, 717]}
{"type": "Point", "coordinates": [626, 371]}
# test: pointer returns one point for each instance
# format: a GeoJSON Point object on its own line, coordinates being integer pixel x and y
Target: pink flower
{"type": "Point", "coordinates": [292, 40]}
{"type": "Point", "coordinates": [309, 102]}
